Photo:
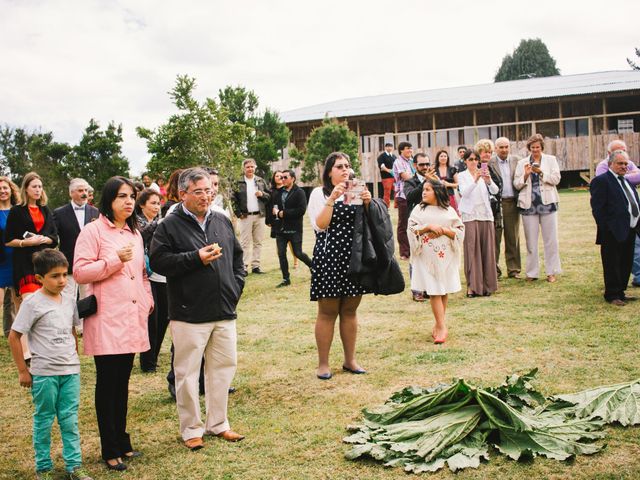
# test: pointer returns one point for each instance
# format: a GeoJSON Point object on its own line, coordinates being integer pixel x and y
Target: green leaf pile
{"type": "Point", "coordinates": [424, 429]}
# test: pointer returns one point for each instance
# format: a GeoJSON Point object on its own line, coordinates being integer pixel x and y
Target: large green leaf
{"type": "Point", "coordinates": [559, 442]}
{"type": "Point", "coordinates": [424, 430]}
{"type": "Point", "coordinates": [417, 406]}
{"type": "Point", "coordinates": [614, 403]}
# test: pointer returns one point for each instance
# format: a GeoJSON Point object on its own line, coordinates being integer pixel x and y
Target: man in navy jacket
{"type": "Point", "coordinates": [616, 208]}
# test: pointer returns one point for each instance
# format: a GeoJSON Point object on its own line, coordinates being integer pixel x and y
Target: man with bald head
{"type": "Point", "coordinates": [633, 177]}
{"type": "Point", "coordinates": [504, 164]}
{"type": "Point", "coordinates": [633, 172]}
{"type": "Point", "coordinates": [616, 209]}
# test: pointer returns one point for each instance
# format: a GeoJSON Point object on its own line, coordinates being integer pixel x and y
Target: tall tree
{"type": "Point", "coordinates": [199, 134]}
{"type": "Point", "coordinates": [98, 155]}
{"type": "Point", "coordinates": [331, 136]}
{"type": "Point", "coordinates": [633, 64]}
{"type": "Point", "coordinates": [268, 134]}
{"type": "Point", "coordinates": [530, 59]}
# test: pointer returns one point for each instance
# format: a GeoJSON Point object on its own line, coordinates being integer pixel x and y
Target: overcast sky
{"type": "Point", "coordinates": [63, 62]}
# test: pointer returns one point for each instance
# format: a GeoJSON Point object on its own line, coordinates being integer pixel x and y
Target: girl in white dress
{"type": "Point", "coordinates": [436, 234]}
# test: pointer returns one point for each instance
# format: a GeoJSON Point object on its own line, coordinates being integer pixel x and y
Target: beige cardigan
{"type": "Point", "coordinates": [550, 178]}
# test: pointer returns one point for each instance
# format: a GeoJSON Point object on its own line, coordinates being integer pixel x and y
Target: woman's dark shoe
{"type": "Point", "coordinates": [118, 467]}
{"type": "Point", "coordinates": [324, 376]}
{"type": "Point", "coordinates": [358, 371]}
{"type": "Point", "coordinates": [132, 454]}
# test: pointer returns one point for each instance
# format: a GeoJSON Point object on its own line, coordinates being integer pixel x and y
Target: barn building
{"type": "Point", "coordinates": [577, 114]}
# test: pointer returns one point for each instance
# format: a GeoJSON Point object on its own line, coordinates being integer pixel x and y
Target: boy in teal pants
{"type": "Point", "coordinates": [49, 319]}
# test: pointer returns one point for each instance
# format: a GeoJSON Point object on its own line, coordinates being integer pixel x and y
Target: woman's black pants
{"type": "Point", "coordinates": [112, 392]}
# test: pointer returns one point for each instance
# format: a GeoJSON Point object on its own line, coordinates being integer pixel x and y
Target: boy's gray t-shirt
{"type": "Point", "coordinates": [48, 325]}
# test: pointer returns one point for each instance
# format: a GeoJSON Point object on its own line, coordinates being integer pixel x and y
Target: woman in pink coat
{"type": "Point", "coordinates": [109, 256]}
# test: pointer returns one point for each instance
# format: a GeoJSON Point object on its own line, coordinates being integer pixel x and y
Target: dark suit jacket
{"type": "Point", "coordinates": [293, 207]}
{"type": "Point", "coordinates": [68, 228]}
{"type": "Point", "coordinates": [609, 206]}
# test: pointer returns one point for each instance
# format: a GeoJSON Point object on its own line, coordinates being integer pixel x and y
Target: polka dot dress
{"type": "Point", "coordinates": [331, 257]}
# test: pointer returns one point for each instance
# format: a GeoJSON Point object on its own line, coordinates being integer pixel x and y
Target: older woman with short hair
{"type": "Point", "coordinates": [536, 179]}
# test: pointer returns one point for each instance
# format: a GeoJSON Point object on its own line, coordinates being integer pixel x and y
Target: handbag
{"type": "Point", "coordinates": [87, 306]}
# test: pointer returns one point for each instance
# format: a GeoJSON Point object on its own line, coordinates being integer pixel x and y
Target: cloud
{"type": "Point", "coordinates": [64, 62]}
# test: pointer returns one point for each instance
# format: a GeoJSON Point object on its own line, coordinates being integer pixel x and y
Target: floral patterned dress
{"type": "Point", "coordinates": [435, 262]}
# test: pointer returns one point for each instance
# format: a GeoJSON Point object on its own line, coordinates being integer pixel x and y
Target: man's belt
{"type": "Point", "coordinates": [253, 213]}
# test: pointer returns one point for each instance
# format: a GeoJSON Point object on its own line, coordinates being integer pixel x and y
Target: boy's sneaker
{"type": "Point", "coordinates": [44, 475]}
{"type": "Point", "coordinates": [79, 473]}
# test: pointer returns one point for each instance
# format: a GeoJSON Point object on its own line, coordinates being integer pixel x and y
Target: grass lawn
{"type": "Point", "coordinates": [294, 423]}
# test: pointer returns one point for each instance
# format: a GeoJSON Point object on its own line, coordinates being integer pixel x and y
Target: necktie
{"type": "Point", "coordinates": [630, 199]}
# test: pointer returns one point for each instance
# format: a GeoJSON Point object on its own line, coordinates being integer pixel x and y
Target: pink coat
{"type": "Point", "coordinates": [122, 289]}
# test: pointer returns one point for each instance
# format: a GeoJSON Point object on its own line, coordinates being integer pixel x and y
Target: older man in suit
{"type": "Point", "coordinates": [69, 220]}
{"type": "Point", "coordinates": [504, 164]}
{"type": "Point", "coordinates": [616, 208]}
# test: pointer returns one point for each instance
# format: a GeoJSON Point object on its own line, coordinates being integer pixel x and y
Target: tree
{"type": "Point", "coordinates": [268, 134]}
{"type": "Point", "coordinates": [631, 63]}
{"type": "Point", "coordinates": [98, 156]}
{"type": "Point", "coordinates": [331, 136]}
{"type": "Point", "coordinates": [23, 152]}
{"type": "Point", "coordinates": [199, 134]}
{"type": "Point", "coordinates": [530, 59]}
{"type": "Point", "coordinates": [239, 102]}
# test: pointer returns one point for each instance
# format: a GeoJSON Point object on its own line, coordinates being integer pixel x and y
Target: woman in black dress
{"type": "Point", "coordinates": [333, 222]}
{"type": "Point", "coordinates": [270, 218]}
{"type": "Point", "coordinates": [30, 228]}
{"type": "Point", "coordinates": [448, 175]}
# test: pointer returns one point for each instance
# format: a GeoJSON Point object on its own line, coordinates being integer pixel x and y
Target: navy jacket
{"type": "Point", "coordinates": [198, 293]}
{"type": "Point", "coordinates": [609, 206]}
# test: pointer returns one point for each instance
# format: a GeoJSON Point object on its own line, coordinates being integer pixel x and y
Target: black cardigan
{"type": "Point", "coordinates": [18, 222]}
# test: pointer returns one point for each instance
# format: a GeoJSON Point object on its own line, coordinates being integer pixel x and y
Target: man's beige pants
{"type": "Point", "coordinates": [217, 341]}
{"type": "Point", "coordinates": [252, 230]}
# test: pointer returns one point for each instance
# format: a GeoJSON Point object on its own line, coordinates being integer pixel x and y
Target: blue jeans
{"type": "Point", "coordinates": [635, 269]}
{"type": "Point", "coordinates": [56, 396]}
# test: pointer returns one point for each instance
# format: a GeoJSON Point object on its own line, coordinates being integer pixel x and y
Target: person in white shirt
{"type": "Point", "coordinates": [250, 198]}
{"type": "Point", "coordinates": [475, 185]}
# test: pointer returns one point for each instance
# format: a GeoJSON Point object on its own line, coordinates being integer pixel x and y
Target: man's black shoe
{"type": "Point", "coordinates": [172, 391]}
{"type": "Point", "coordinates": [285, 283]}
{"type": "Point", "coordinates": [257, 271]}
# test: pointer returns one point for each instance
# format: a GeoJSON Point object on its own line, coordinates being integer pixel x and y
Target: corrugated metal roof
{"type": "Point", "coordinates": [527, 89]}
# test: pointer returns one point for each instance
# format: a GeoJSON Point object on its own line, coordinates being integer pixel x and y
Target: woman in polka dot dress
{"type": "Point", "coordinates": [333, 222]}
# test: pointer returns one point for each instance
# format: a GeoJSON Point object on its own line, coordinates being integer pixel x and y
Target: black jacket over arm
{"type": "Point", "coordinates": [18, 222]}
{"type": "Point", "coordinates": [198, 293]}
{"type": "Point", "coordinates": [293, 208]}
{"type": "Point", "coordinates": [372, 263]}
{"type": "Point", "coordinates": [68, 228]}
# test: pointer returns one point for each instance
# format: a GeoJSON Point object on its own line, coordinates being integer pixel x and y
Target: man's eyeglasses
{"type": "Point", "coordinates": [200, 192]}
{"type": "Point", "coordinates": [285, 177]}
{"type": "Point", "coordinates": [341, 166]}
{"type": "Point", "coordinates": [423, 164]}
